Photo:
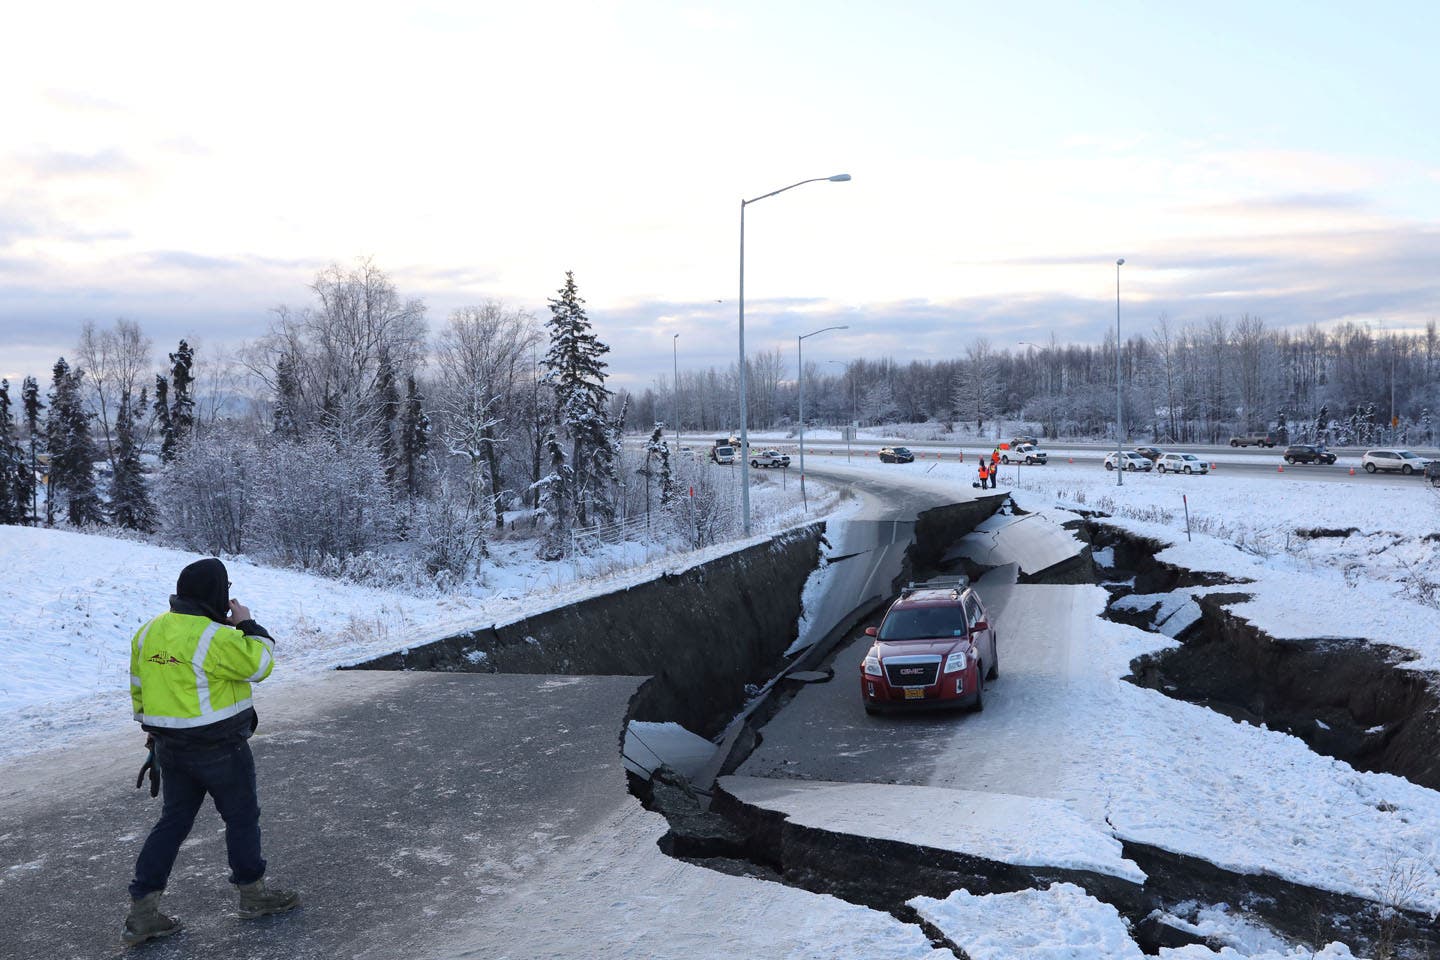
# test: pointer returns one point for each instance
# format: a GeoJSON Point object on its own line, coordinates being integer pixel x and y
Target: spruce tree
{"type": "Point", "coordinates": [31, 407]}
{"type": "Point", "coordinates": [12, 463]}
{"type": "Point", "coordinates": [555, 499]}
{"type": "Point", "coordinates": [162, 416]}
{"type": "Point", "coordinates": [182, 401]}
{"type": "Point", "coordinates": [415, 436]}
{"type": "Point", "coordinates": [577, 375]}
{"type": "Point", "coordinates": [387, 403]}
{"type": "Point", "coordinates": [287, 400]}
{"type": "Point", "coordinates": [72, 451]}
{"type": "Point", "coordinates": [130, 504]}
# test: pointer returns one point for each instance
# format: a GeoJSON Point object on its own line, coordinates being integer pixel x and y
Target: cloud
{"type": "Point", "coordinates": [54, 163]}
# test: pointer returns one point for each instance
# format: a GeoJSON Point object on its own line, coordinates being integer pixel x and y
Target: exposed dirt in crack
{"type": "Point", "coordinates": [1351, 699]}
{"type": "Point", "coordinates": [1222, 663]}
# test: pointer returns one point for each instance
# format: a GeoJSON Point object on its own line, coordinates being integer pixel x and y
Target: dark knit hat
{"type": "Point", "coordinates": [207, 583]}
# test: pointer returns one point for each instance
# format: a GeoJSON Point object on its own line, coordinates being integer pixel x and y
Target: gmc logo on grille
{"type": "Point", "coordinates": [912, 671]}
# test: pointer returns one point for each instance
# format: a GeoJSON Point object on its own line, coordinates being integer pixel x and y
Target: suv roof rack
{"type": "Point", "coordinates": [954, 584]}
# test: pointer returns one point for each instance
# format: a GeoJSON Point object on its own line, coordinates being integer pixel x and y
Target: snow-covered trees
{"type": "Point", "coordinates": [206, 491]}
{"type": "Point", "coordinates": [14, 489]}
{"type": "Point", "coordinates": [130, 504]}
{"type": "Point", "coordinates": [414, 437]}
{"type": "Point", "coordinates": [577, 375]}
{"type": "Point", "coordinates": [483, 356]}
{"type": "Point", "coordinates": [72, 451]}
{"type": "Point", "coordinates": [319, 499]}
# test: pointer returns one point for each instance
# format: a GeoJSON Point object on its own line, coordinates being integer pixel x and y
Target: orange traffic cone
{"type": "Point", "coordinates": [1352, 471]}
{"type": "Point", "coordinates": [1281, 468]}
{"type": "Point", "coordinates": [1214, 466]}
{"type": "Point", "coordinates": [1072, 459]}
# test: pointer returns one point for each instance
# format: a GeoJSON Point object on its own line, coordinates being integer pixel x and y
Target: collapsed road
{"type": "Point", "coordinates": [497, 801]}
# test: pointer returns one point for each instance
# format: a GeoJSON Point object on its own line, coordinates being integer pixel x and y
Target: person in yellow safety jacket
{"type": "Point", "coordinates": [190, 675]}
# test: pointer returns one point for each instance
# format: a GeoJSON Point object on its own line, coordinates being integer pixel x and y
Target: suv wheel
{"type": "Point", "coordinates": [1109, 465]}
{"type": "Point", "coordinates": [1369, 468]}
{"type": "Point", "coordinates": [1407, 469]}
{"type": "Point", "coordinates": [1234, 443]}
{"type": "Point", "coordinates": [1187, 469]}
{"type": "Point", "coordinates": [1160, 467]}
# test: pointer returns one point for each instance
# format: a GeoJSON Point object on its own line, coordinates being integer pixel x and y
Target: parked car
{"type": "Point", "coordinates": [1153, 454]}
{"type": "Point", "coordinates": [770, 458]}
{"type": "Point", "coordinates": [896, 455]}
{"type": "Point", "coordinates": [935, 648]}
{"type": "Point", "coordinates": [725, 456]}
{"type": "Point", "coordinates": [1181, 463]}
{"type": "Point", "coordinates": [1254, 440]}
{"type": "Point", "coordinates": [1016, 442]}
{"type": "Point", "coordinates": [1401, 460]}
{"type": "Point", "coordinates": [1307, 453]}
{"type": "Point", "coordinates": [1025, 453]}
{"type": "Point", "coordinates": [1133, 461]}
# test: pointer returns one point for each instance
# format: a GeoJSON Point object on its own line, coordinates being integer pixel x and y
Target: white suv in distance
{"type": "Point", "coordinates": [1402, 460]}
{"type": "Point", "coordinates": [1181, 463]}
{"type": "Point", "coordinates": [1133, 461]}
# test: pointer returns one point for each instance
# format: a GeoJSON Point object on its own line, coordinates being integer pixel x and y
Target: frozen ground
{"type": "Point", "coordinates": [1062, 922]}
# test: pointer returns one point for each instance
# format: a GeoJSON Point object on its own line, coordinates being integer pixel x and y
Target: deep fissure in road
{"type": "Point", "coordinates": [1351, 699]}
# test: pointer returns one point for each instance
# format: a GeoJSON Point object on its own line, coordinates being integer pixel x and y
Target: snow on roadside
{"type": "Point", "coordinates": [67, 617]}
{"type": "Point", "coordinates": [1063, 922]}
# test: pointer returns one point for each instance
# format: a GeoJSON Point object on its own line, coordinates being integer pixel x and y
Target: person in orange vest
{"type": "Point", "coordinates": [994, 466]}
{"type": "Point", "coordinates": [984, 473]}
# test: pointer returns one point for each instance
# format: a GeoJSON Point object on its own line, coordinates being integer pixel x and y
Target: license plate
{"type": "Point", "coordinates": [914, 693]}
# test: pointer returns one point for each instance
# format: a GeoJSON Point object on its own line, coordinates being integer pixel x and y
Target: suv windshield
{"type": "Point", "coordinates": [924, 623]}
{"type": "Point", "coordinates": [902, 449]}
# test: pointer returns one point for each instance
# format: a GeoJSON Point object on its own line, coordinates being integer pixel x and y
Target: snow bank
{"type": "Point", "coordinates": [1060, 923]}
{"type": "Point", "coordinates": [1064, 923]}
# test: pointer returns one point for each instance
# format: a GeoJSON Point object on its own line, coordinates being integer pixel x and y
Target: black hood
{"type": "Point", "coordinates": [204, 588]}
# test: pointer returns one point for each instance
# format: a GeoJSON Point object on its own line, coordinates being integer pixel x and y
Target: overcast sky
{"type": "Point", "coordinates": [190, 166]}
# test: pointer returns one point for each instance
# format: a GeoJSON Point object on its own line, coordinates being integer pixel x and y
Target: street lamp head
{"type": "Point", "coordinates": [840, 178]}
{"type": "Point", "coordinates": [676, 337]}
{"type": "Point", "coordinates": [1120, 262]}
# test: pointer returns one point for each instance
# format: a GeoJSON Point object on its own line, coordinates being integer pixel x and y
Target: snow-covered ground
{"type": "Point", "coordinates": [1394, 551]}
{"type": "Point", "coordinates": [70, 603]}
{"type": "Point", "coordinates": [1063, 922]}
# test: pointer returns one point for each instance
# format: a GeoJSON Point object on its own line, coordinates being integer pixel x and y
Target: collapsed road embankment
{"type": "Point", "coordinates": [702, 634]}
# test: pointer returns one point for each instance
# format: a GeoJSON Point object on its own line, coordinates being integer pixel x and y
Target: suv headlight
{"type": "Point", "coordinates": [955, 662]}
{"type": "Point", "coordinates": [872, 665]}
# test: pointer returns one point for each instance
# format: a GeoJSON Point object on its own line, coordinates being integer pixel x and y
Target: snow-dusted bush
{"type": "Point", "coordinates": [315, 499]}
{"type": "Point", "coordinates": [207, 491]}
{"type": "Point", "coordinates": [449, 535]}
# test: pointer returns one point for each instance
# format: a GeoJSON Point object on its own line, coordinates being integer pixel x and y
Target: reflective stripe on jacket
{"type": "Point", "coordinates": [189, 671]}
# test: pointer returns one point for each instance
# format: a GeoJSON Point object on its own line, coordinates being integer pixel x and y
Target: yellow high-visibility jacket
{"type": "Point", "coordinates": [189, 671]}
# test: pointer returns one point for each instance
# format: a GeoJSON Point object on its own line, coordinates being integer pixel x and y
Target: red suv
{"type": "Point", "coordinates": [935, 648]}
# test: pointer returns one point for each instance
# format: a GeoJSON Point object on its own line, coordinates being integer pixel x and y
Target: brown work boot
{"type": "Point", "coordinates": [146, 922]}
{"type": "Point", "coordinates": [258, 900]}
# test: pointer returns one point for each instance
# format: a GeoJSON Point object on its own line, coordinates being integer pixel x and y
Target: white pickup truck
{"type": "Point", "coordinates": [770, 458]}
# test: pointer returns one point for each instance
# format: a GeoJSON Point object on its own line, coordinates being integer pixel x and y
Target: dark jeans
{"type": "Point", "coordinates": [228, 775]}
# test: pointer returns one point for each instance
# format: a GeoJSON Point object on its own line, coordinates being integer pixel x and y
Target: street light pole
{"type": "Point", "coordinates": [800, 364]}
{"type": "Point", "coordinates": [1119, 408]}
{"type": "Point", "coordinates": [744, 419]}
{"type": "Point", "coordinates": [854, 406]}
{"type": "Point", "coordinates": [675, 388]}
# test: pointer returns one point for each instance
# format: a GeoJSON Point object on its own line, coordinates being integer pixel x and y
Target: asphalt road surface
{"type": "Point", "coordinates": [401, 805]}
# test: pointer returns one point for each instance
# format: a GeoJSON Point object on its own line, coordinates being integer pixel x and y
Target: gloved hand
{"type": "Point", "coordinates": [152, 768]}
